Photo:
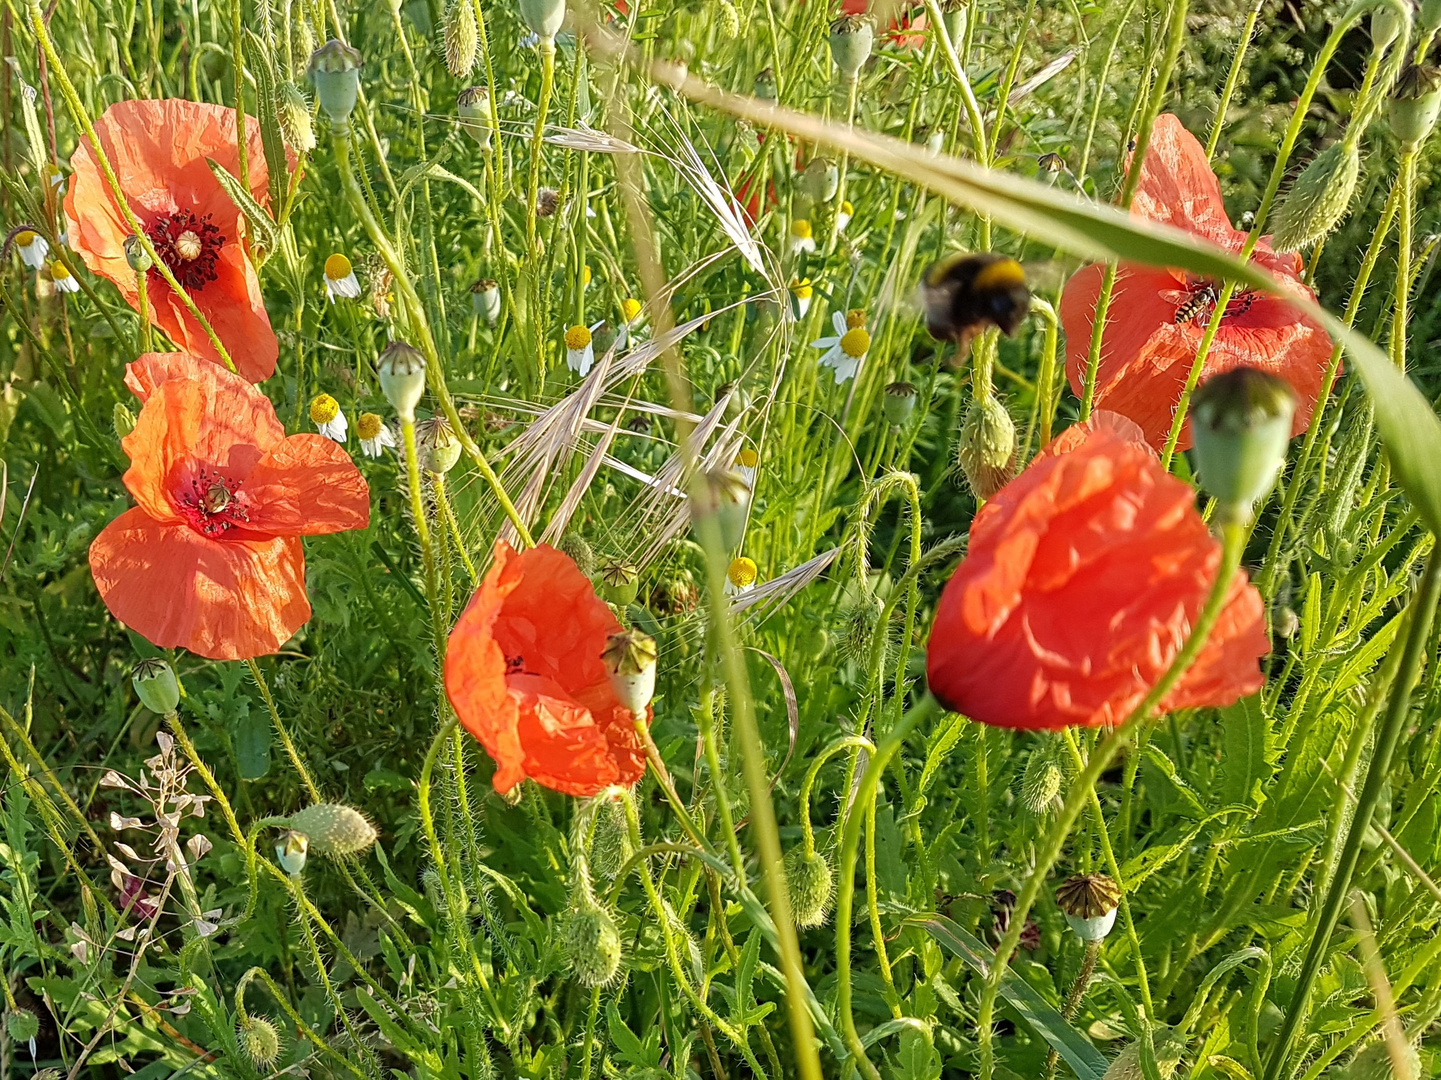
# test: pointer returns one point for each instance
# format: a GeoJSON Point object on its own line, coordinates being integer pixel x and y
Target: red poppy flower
{"type": "Point", "coordinates": [210, 559]}
{"type": "Point", "coordinates": [1156, 317]}
{"type": "Point", "coordinates": [159, 151]}
{"type": "Point", "coordinates": [1083, 579]}
{"type": "Point", "coordinates": [906, 28]}
{"type": "Point", "coordinates": [524, 673]}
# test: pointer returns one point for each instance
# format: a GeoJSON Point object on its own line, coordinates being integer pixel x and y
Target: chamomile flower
{"type": "Point", "coordinates": [63, 279]}
{"type": "Point", "coordinates": [32, 248]}
{"type": "Point", "coordinates": [580, 348]}
{"type": "Point", "coordinates": [630, 315]}
{"type": "Point", "coordinates": [745, 466]}
{"type": "Point", "coordinates": [801, 293]}
{"type": "Point", "coordinates": [845, 214]}
{"type": "Point", "coordinates": [375, 434]}
{"type": "Point", "coordinates": [340, 278]}
{"type": "Point", "coordinates": [846, 350]}
{"type": "Point", "coordinates": [802, 237]}
{"type": "Point", "coordinates": [741, 576]}
{"type": "Point", "coordinates": [325, 414]}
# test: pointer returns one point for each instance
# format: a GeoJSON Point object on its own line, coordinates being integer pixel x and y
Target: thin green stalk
{"type": "Point", "coordinates": [1233, 77]}
{"type": "Point", "coordinates": [284, 732]}
{"type": "Point", "coordinates": [237, 62]}
{"type": "Point", "coordinates": [447, 513]}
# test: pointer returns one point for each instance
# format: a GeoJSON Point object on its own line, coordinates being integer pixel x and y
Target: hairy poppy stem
{"type": "Point", "coordinates": [662, 775]}
{"type": "Point", "coordinates": [1234, 542]}
{"type": "Point", "coordinates": [1421, 612]}
{"type": "Point", "coordinates": [283, 731]}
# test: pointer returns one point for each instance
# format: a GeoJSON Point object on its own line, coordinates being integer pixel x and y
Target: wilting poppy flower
{"type": "Point", "coordinates": [1157, 317]}
{"type": "Point", "coordinates": [159, 151]}
{"type": "Point", "coordinates": [524, 673]}
{"type": "Point", "coordinates": [211, 560]}
{"type": "Point", "coordinates": [1083, 579]}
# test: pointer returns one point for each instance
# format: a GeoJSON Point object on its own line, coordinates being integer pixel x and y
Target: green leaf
{"type": "Point", "coordinates": [1311, 614]}
{"type": "Point", "coordinates": [263, 229]}
{"type": "Point", "coordinates": [1085, 1060]}
{"type": "Point", "coordinates": [250, 733]}
{"type": "Point", "coordinates": [942, 740]}
{"type": "Point", "coordinates": [277, 165]}
{"type": "Point", "coordinates": [1180, 791]}
{"type": "Point", "coordinates": [1246, 764]}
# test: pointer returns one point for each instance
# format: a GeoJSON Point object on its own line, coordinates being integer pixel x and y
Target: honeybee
{"type": "Point", "coordinates": [964, 294]}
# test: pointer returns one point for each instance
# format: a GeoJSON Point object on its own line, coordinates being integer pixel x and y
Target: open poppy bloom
{"type": "Point", "coordinates": [1084, 577]}
{"type": "Point", "coordinates": [158, 149]}
{"type": "Point", "coordinates": [210, 559]}
{"type": "Point", "coordinates": [1157, 317]}
{"type": "Point", "coordinates": [524, 673]}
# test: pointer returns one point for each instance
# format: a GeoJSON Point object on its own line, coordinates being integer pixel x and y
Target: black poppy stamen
{"type": "Point", "coordinates": [188, 245]}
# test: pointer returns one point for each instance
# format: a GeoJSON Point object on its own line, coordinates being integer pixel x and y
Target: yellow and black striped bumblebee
{"type": "Point", "coordinates": [963, 294]}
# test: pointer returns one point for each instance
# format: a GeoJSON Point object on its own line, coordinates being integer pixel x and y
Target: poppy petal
{"type": "Point", "coordinates": [307, 485]}
{"type": "Point", "coordinates": [225, 600]}
{"type": "Point", "coordinates": [234, 307]}
{"type": "Point", "coordinates": [149, 370]}
{"type": "Point", "coordinates": [1177, 185]}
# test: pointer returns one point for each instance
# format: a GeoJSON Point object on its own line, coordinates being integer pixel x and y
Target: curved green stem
{"type": "Point", "coordinates": [284, 732]}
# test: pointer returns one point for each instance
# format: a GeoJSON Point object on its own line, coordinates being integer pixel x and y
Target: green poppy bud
{"type": "Point", "coordinates": [987, 447]}
{"type": "Point", "coordinates": [610, 845]}
{"type": "Point", "coordinates": [461, 39]}
{"type": "Point", "coordinates": [1241, 423]}
{"type": "Point", "coordinates": [1374, 1062]}
{"type": "Point", "coordinates": [472, 105]}
{"type": "Point", "coordinates": [578, 548]}
{"type": "Point", "coordinates": [1041, 782]}
{"type": "Point", "coordinates": [899, 403]}
{"type": "Point", "coordinates": [291, 849]}
{"type": "Point", "coordinates": [438, 447]}
{"type": "Point", "coordinates": [851, 40]}
{"type": "Point", "coordinates": [619, 582]}
{"type": "Point", "coordinates": [402, 377]}
{"type": "Point", "coordinates": [543, 17]}
{"type": "Point", "coordinates": [136, 256]}
{"type": "Point", "coordinates": [1319, 197]}
{"type": "Point", "coordinates": [335, 72]}
{"type": "Point", "coordinates": [955, 14]}
{"type": "Point", "coordinates": [259, 1040]}
{"type": "Point", "coordinates": [293, 111]}
{"type": "Point", "coordinates": [721, 496]}
{"type": "Point", "coordinates": [1386, 26]}
{"type": "Point", "coordinates": [630, 662]}
{"type": "Point", "coordinates": [811, 885]}
{"type": "Point", "coordinates": [1414, 103]}
{"type": "Point", "coordinates": [334, 831]}
{"type": "Point", "coordinates": [156, 686]}
{"type": "Point", "coordinates": [590, 942]}
{"type": "Point", "coordinates": [1170, 1047]}
{"type": "Point", "coordinates": [122, 420]}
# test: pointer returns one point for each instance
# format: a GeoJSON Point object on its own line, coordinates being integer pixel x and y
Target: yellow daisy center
{"type": "Point", "coordinates": [802, 288]}
{"type": "Point", "coordinates": [369, 426]}
{"type": "Point", "coordinates": [856, 317]}
{"type": "Point", "coordinates": [324, 409]}
{"type": "Point", "coordinates": [856, 342]}
{"type": "Point", "coordinates": [58, 271]}
{"type": "Point", "coordinates": [577, 338]}
{"type": "Point", "coordinates": [337, 267]}
{"type": "Point", "coordinates": [747, 458]}
{"type": "Point", "coordinates": [801, 229]}
{"type": "Point", "coordinates": [630, 308]}
{"type": "Point", "coordinates": [25, 238]}
{"type": "Point", "coordinates": [742, 572]}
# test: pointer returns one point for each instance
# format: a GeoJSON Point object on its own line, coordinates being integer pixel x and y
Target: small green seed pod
{"type": "Point", "coordinates": [543, 17]}
{"type": "Point", "coordinates": [1170, 1048]}
{"type": "Point", "coordinates": [335, 831]}
{"type": "Point", "coordinates": [1241, 421]}
{"type": "Point", "coordinates": [630, 662]}
{"type": "Point", "coordinates": [136, 256]}
{"type": "Point", "coordinates": [987, 447]}
{"type": "Point", "coordinates": [472, 105]}
{"type": "Point", "coordinates": [1089, 902]}
{"type": "Point", "coordinates": [122, 420]}
{"type": "Point", "coordinates": [1319, 197]}
{"type": "Point", "coordinates": [811, 884]}
{"type": "Point", "coordinates": [955, 15]}
{"type": "Point", "coordinates": [335, 73]}
{"type": "Point", "coordinates": [721, 496]}
{"type": "Point", "coordinates": [851, 40]}
{"type": "Point", "coordinates": [619, 582]}
{"type": "Point", "coordinates": [899, 403]}
{"type": "Point", "coordinates": [485, 300]}
{"type": "Point", "coordinates": [22, 1026]}
{"type": "Point", "coordinates": [437, 445]}
{"type": "Point", "coordinates": [156, 686]}
{"type": "Point", "coordinates": [1414, 103]}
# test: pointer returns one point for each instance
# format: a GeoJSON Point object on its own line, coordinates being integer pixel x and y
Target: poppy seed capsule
{"type": "Point", "coordinates": [954, 14]}
{"type": "Point", "coordinates": [259, 1040]}
{"type": "Point", "coordinates": [471, 104]}
{"type": "Point", "coordinates": [899, 402]}
{"type": "Point", "coordinates": [851, 39]}
{"type": "Point", "coordinates": [402, 378]}
{"type": "Point", "coordinates": [293, 112]}
{"type": "Point", "coordinates": [1089, 902]}
{"type": "Point", "coordinates": [547, 202]}
{"type": "Point", "coordinates": [438, 446]}
{"type": "Point", "coordinates": [136, 257]}
{"type": "Point", "coordinates": [156, 686]}
{"type": "Point", "coordinates": [1414, 103]}
{"type": "Point", "coordinates": [335, 73]}
{"type": "Point", "coordinates": [765, 85]}
{"type": "Point", "coordinates": [619, 582]}
{"type": "Point", "coordinates": [1169, 1046]}
{"type": "Point", "coordinates": [543, 17]}
{"type": "Point", "coordinates": [1319, 197]}
{"type": "Point", "coordinates": [291, 848]}
{"type": "Point", "coordinates": [462, 38]}
{"type": "Point", "coordinates": [1386, 26]}
{"type": "Point", "coordinates": [987, 447]}
{"type": "Point", "coordinates": [630, 661]}
{"type": "Point", "coordinates": [591, 943]}
{"type": "Point", "coordinates": [485, 299]}
{"type": "Point", "coordinates": [334, 831]}
{"type": "Point", "coordinates": [811, 883]}
{"type": "Point", "coordinates": [1241, 424]}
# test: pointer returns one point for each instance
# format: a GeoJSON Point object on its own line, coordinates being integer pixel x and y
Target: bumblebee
{"type": "Point", "coordinates": [964, 294]}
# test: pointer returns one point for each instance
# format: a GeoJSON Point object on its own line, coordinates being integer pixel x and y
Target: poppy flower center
{"type": "Point", "coordinates": [1196, 303]}
{"type": "Point", "coordinates": [212, 504]}
{"type": "Point", "coordinates": [188, 245]}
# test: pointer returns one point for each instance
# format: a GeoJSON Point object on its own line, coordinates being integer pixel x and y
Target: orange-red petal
{"type": "Point", "coordinates": [149, 370]}
{"type": "Point", "coordinates": [226, 600]}
{"type": "Point", "coordinates": [1177, 185]}
{"type": "Point", "coordinates": [234, 307]}
{"type": "Point", "coordinates": [307, 485]}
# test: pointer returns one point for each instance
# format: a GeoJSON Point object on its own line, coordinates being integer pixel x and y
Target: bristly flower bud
{"type": "Point", "coordinates": [578, 548]}
{"type": "Point", "coordinates": [543, 17]}
{"type": "Point", "coordinates": [851, 40]}
{"type": "Point", "coordinates": [472, 105]}
{"type": "Point", "coordinates": [619, 582]}
{"type": "Point", "coordinates": [1414, 103]}
{"type": "Point", "coordinates": [1319, 197]}
{"type": "Point", "coordinates": [1170, 1047]}
{"type": "Point", "coordinates": [291, 848]}
{"type": "Point", "coordinates": [811, 885]}
{"type": "Point", "coordinates": [462, 38]}
{"type": "Point", "coordinates": [1089, 902]}
{"type": "Point", "coordinates": [899, 403]}
{"type": "Point", "coordinates": [335, 73]}
{"type": "Point", "coordinates": [722, 496]}
{"type": "Point", "coordinates": [293, 111]}
{"type": "Point", "coordinates": [987, 447]}
{"type": "Point", "coordinates": [402, 377]}
{"type": "Point", "coordinates": [1374, 1062]}
{"type": "Point", "coordinates": [156, 686]}
{"type": "Point", "coordinates": [610, 845]}
{"type": "Point", "coordinates": [630, 661]}
{"type": "Point", "coordinates": [335, 831]}
{"type": "Point", "coordinates": [1041, 781]}
{"type": "Point", "coordinates": [439, 448]}
{"type": "Point", "coordinates": [259, 1040]}
{"type": "Point", "coordinates": [1241, 423]}
{"type": "Point", "coordinates": [122, 420]}
{"type": "Point", "coordinates": [590, 942]}
{"type": "Point", "coordinates": [23, 1026]}
{"type": "Point", "coordinates": [136, 256]}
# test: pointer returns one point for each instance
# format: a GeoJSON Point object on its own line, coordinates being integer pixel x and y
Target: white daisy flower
{"type": "Point", "coordinates": [580, 348]}
{"type": "Point", "coordinates": [32, 248]}
{"type": "Point", "coordinates": [631, 312]}
{"type": "Point", "coordinates": [63, 279]}
{"type": "Point", "coordinates": [745, 466]}
{"type": "Point", "coordinates": [340, 278]}
{"type": "Point", "coordinates": [801, 293]}
{"type": "Point", "coordinates": [375, 435]}
{"type": "Point", "coordinates": [846, 350]}
{"type": "Point", "coordinates": [741, 576]}
{"type": "Point", "coordinates": [802, 237]}
{"type": "Point", "coordinates": [325, 414]}
{"type": "Point", "coordinates": [845, 214]}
